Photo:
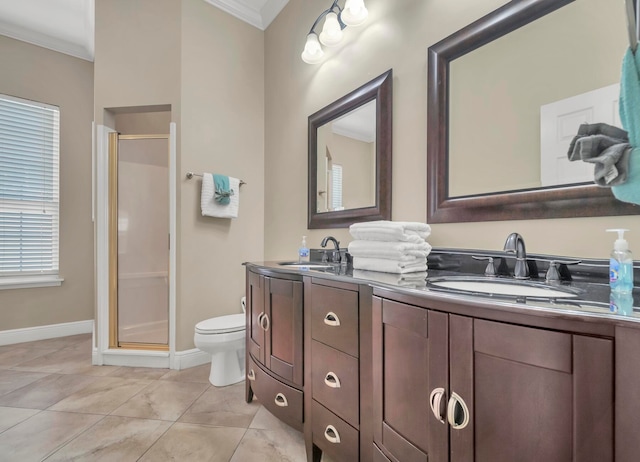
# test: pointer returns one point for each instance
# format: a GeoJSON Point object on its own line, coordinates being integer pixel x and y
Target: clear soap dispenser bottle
{"type": "Point", "coordinates": [621, 265]}
{"type": "Point", "coordinates": [303, 251]}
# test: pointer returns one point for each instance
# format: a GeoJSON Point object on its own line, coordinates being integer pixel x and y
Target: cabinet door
{"type": "Point", "coordinates": [284, 329]}
{"type": "Point", "coordinates": [531, 394]}
{"type": "Point", "coordinates": [255, 312]}
{"type": "Point", "coordinates": [410, 356]}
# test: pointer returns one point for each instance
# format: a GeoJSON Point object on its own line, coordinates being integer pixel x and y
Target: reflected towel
{"type": "Point", "coordinates": [208, 204]}
{"type": "Point", "coordinates": [411, 280]}
{"type": "Point", "coordinates": [402, 231]}
{"type": "Point", "coordinates": [390, 266]}
{"type": "Point", "coordinates": [402, 251]}
{"type": "Point", "coordinates": [605, 146]}
{"type": "Point", "coordinates": [630, 117]}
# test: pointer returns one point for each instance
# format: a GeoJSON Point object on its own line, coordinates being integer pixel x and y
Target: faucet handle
{"type": "Point", "coordinates": [555, 273]}
{"type": "Point", "coordinates": [490, 270]}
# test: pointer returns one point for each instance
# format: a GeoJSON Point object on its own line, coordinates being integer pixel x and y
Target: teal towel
{"type": "Point", "coordinates": [222, 193]}
{"type": "Point", "coordinates": [630, 117]}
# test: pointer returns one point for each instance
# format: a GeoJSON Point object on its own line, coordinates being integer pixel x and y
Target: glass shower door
{"type": "Point", "coordinates": [141, 236]}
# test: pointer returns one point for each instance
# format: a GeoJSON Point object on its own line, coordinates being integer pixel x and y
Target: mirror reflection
{"type": "Point", "coordinates": [347, 161]}
{"type": "Point", "coordinates": [350, 157]}
{"type": "Point", "coordinates": [516, 102]}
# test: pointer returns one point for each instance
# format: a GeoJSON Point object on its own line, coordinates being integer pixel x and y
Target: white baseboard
{"type": "Point", "coordinates": [30, 334]}
{"type": "Point", "coordinates": [134, 358]}
{"type": "Point", "coordinates": [190, 358]}
{"type": "Point", "coordinates": [158, 359]}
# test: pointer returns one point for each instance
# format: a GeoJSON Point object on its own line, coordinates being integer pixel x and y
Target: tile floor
{"type": "Point", "coordinates": [56, 406]}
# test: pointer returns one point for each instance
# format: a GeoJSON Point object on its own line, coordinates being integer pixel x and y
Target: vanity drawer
{"type": "Point", "coordinates": [333, 435]}
{"type": "Point", "coordinates": [281, 400]}
{"type": "Point", "coordinates": [334, 381]}
{"type": "Point", "coordinates": [334, 318]}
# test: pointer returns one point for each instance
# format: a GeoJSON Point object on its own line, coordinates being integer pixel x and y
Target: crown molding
{"type": "Point", "coordinates": [258, 13]}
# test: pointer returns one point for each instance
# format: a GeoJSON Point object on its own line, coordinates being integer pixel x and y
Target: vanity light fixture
{"type": "Point", "coordinates": [336, 19]}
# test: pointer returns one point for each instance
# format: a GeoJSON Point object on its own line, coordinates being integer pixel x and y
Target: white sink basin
{"type": "Point", "coordinates": [508, 287]}
{"type": "Point", "coordinates": [310, 265]}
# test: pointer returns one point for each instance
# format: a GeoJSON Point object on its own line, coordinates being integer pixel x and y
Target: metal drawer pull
{"type": "Point", "coordinates": [435, 400]}
{"type": "Point", "coordinates": [331, 434]}
{"type": "Point", "coordinates": [265, 320]}
{"type": "Point", "coordinates": [331, 319]}
{"type": "Point", "coordinates": [457, 412]}
{"type": "Point", "coordinates": [332, 380]}
{"type": "Point", "coordinates": [251, 375]}
{"type": "Point", "coordinates": [260, 320]}
{"type": "Point", "coordinates": [281, 400]}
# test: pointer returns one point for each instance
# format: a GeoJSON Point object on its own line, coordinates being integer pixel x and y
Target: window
{"type": "Point", "coordinates": [336, 197]}
{"type": "Point", "coordinates": [29, 188]}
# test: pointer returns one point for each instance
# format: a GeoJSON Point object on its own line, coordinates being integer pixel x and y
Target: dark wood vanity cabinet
{"type": "Point", "coordinates": [274, 339]}
{"type": "Point", "coordinates": [456, 388]}
{"type": "Point", "coordinates": [337, 388]}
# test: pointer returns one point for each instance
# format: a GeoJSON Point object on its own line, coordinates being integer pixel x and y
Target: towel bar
{"type": "Point", "coordinates": [191, 175]}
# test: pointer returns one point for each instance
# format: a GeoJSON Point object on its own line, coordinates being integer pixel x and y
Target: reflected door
{"type": "Point", "coordinates": [139, 241]}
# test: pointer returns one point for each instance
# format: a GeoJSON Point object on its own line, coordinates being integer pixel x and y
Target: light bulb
{"type": "Point", "coordinates": [331, 31]}
{"type": "Point", "coordinates": [312, 53]}
{"type": "Point", "coordinates": [354, 13]}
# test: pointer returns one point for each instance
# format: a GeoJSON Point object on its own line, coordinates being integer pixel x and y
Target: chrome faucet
{"type": "Point", "coordinates": [336, 245]}
{"type": "Point", "coordinates": [515, 244]}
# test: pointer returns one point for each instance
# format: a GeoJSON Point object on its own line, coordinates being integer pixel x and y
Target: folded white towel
{"type": "Point", "coordinates": [402, 251]}
{"type": "Point", "coordinates": [390, 266]}
{"type": "Point", "coordinates": [404, 231]}
{"type": "Point", "coordinates": [210, 207]}
{"type": "Point", "coordinates": [415, 280]}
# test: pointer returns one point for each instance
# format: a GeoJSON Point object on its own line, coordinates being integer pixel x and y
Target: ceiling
{"type": "Point", "coordinates": [67, 26]}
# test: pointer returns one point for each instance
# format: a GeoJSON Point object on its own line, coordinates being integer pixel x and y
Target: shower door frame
{"type": "Point", "coordinates": [114, 343]}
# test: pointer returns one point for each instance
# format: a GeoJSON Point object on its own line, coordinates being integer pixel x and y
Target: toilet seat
{"type": "Point", "coordinates": [222, 324]}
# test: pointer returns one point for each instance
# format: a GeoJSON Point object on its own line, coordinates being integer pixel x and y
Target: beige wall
{"type": "Point", "coordinates": [356, 158]}
{"type": "Point", "coordinates": [397, 35]}
{"type": "Point", "coordinates": [35, 73]}
{"type": "Point", "coordinates": [222, 132]}
{"type": "Point", "coordinates": [209, 67]}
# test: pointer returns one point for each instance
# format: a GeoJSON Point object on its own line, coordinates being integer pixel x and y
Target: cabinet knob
{"type": "Point", "coordinates": [457, 412]}
{"type": "Point", "coordinates": [281, 400]}
{"type": "Point", "coordinates": [251, 375]}
{"type": "Point", "coordinates": [331, 380]}
{"type": "Point", "coordinates": [265, 322]}
{"type": "Point", "coordinates": [435, 401]}
{"type": "Point", "coordinates": [331, 319]}
{"type": "Point", "coordinates": [331, 434]}
{"type": "Point", "coordinates": [260, 319]}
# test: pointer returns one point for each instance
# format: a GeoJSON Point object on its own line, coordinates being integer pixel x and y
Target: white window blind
{"type": "Point", "coordinates": [336, 178]}
{"type": "Point", "coordinates": [29, 187]}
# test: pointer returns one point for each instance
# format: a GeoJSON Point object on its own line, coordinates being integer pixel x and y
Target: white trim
{"type": "Point", "coordinates": [258, 18]}
{"type": "Point", "coordinates": [31, 334]}
{"type": "Point", "coordinates": [30, 282]}
{"type": "Point", "coordinates": [102, 240]}
{"type": "Point", "coordinates": [140, 358]}
{"type": "Point", "coordinates": [135, 358]}
{"type": "Point", "coordinates": [173, 246]}
{"type": "Point", "coordinates": [190, 358]}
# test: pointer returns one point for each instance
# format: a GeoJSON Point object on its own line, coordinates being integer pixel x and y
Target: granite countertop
{"type": "Point", "coordinates": [590, 279]}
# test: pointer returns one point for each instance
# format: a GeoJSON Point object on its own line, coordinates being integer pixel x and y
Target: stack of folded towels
{"type": "Point", "coordinates": [392, 247]}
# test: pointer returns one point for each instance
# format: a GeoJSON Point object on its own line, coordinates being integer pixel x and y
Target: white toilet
{"type": "Point", "coordinates": [223, 338]}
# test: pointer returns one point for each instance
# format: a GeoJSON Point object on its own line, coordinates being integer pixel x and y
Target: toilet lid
{"type": "Point", "coordinates": [222, 324]}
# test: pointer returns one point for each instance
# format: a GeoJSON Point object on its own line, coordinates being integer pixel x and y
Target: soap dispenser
{"type": "Point", "coordinates": [620, 265]}
{"type": "Point", "coordinates": [303, 251]}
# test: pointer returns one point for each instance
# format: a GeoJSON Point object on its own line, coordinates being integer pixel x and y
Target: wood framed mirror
{"type": "Point", "coordinates": [350, 157]}
{"type": "Point", "coordinates": [510, 203]}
